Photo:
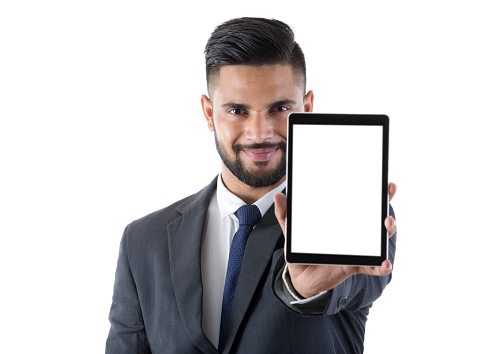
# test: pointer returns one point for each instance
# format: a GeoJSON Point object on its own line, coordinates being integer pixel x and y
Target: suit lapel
{"type": "Point", "coordinates": [185, 238]}
{"type": "Point", "coordinates": [258, 252]}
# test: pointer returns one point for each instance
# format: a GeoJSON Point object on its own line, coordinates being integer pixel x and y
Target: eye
{"type": "Point", "coordinates": [236, 111]}
{"type": "Point", "coordinates": [281, 109]}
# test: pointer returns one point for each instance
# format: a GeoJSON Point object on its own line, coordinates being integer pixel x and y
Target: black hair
{"type": "Point", "coordinates": [253, 41]}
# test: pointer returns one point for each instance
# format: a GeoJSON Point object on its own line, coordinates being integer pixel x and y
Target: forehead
{"type": "Point", "coordinates": [256, 83]}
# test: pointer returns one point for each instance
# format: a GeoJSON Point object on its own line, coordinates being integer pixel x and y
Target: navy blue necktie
{"type": "Point", "coordinates": [247, 215]}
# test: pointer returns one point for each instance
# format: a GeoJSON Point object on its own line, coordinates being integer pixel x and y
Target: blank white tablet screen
{"type": "Point", "coordinates": [336, 189]}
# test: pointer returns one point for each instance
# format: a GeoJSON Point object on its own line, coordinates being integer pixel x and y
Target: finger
{"type": "Point", "coordinates": [280, 209]}
{"type": "Point", "coordinates": [385, 269]}
{"type": "Point", "coordinates": [391, 225]}
{"type": "Point", "coordinates": [392, 189]}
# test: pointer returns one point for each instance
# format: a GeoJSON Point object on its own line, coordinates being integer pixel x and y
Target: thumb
{"type": "Point", "coordinates": [280, 209]}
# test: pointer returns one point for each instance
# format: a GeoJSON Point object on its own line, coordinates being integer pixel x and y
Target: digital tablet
{"type": "Point", "coordinates": [337, 189]}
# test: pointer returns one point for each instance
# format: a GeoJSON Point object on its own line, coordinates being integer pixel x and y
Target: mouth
{"type": "Point", "coordinates": [260, 154]}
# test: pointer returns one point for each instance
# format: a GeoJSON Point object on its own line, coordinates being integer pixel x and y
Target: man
{"type": "Point", "coordinates": [174, 291]}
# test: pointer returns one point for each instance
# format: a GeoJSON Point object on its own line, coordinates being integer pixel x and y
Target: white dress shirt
{"type": "Point", "coordinates": [221, 225]}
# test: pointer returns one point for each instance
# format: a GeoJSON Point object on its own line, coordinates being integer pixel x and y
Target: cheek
{"type": "Point", "coordinates": [228, 131]}
{"type": "Point", "coordinates": [281, 129]}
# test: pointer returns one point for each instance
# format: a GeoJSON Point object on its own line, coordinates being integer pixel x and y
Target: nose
{"type": "Point", "coordinates": [259, 127]}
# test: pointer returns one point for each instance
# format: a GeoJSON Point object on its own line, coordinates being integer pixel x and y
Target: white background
{"type": "Point", "coordinates": [337, 178]}
{"type": "Point", "coordinates": [101, 124]}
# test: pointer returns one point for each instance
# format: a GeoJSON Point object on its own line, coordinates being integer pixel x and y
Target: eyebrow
{"type": "Point", "coordinates": [235, 105]}
{"type": "Point", "coordinates": [283, 102]}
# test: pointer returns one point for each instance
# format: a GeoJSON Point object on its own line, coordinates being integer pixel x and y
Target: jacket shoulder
{"type": "Point", "coordinates": [158, 220]}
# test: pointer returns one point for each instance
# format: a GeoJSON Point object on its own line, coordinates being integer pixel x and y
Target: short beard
{"type": "Point", "coordinates": [254, 179]}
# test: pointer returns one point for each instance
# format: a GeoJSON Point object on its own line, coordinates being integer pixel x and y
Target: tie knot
{"type": "Point", "coordinates": [248, 215]}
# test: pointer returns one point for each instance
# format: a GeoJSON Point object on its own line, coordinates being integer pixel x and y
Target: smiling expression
{"type": "Point", "coordinates": [248, 113]}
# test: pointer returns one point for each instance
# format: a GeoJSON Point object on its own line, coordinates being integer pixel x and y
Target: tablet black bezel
{"type": "Point", "coordinates": [337, 119]}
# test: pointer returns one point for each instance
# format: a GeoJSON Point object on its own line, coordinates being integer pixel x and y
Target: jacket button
{"type": "Point", "coordinates": [342, 301]}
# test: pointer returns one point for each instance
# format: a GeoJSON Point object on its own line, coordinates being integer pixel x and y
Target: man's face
{"type": "Point", "coordinates": [248, 113]}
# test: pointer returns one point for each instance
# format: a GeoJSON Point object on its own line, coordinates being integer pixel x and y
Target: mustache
{"type": "Point", "coordinates": [281, 145]}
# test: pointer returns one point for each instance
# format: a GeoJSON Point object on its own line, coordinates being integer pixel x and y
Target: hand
{"type": "Point", "coordinates": [309, 280]}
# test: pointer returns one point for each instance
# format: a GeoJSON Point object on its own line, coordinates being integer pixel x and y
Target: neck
{"type": "Point", "coordinates": [243, 191]}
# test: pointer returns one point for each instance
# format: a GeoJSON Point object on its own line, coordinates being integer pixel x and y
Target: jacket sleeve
{"type": "Point", "coordinates": [357, 291]}
{"type": "Point", "coordinates": [127, 333]}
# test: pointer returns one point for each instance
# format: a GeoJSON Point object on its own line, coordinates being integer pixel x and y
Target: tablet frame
{"type": "Point", "coordinates": [337, 119]}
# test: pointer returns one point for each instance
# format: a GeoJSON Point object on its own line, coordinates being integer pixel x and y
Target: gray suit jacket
{"type": "Point", "coordinates": [157, 300]}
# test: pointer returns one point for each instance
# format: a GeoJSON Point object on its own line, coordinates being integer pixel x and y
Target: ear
{"type": "Point", "coordinates": [309, 101]}
{"type": "Point", "coordinates": [207, 108]}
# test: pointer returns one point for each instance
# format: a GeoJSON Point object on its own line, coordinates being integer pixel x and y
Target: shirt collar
{"type": "Point", "coordinates": [229, 203]}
